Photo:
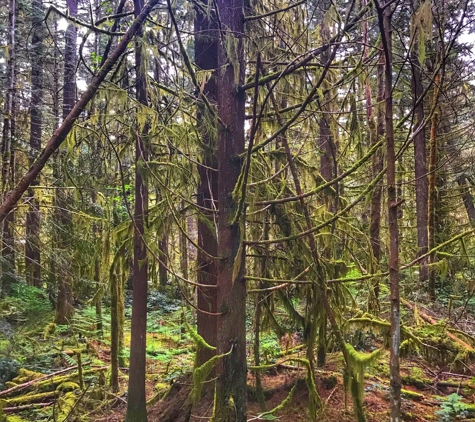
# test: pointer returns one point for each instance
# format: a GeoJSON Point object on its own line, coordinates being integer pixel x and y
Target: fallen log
{"type": "Point", "coordinates": [433, 321]}
{"type": "Point", "coordinates": [20, 387]}
{"type": "Point", "coordinates": [31, 398]}
{"type": "Point", "coordinates": [26, 407]}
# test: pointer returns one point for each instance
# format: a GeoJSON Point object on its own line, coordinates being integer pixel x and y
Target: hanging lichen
{"type": "Point", "coordinates": [354, 376]}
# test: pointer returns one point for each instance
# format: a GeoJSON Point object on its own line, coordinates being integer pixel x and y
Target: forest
{"type": "Point", "coordinates": [237, 210]}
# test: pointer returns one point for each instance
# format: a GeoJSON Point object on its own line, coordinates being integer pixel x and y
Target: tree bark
{"type": "Point", "coordinates": [230, 398]}
{"type": "Point", "coordinates": [64, 307]}
{"type": "Point", "coordinates": [206, 58]}
{"type": "Point", "coordinates": [32, 245]}
{"type": "Point", "coordinates": [8, 158]}
{"type": "Point", "coordinates": [420, 169]}
{"type": "Point", "coordinates": [384, 17]}
{"type": "Point", "coordinates": [433, 195]}
{"type": "Point", "coordinates": [136, 403]}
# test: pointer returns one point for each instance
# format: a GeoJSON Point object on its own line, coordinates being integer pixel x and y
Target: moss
{"type": "Point", "coordinates": [49, 330]}
{"type": "Point", "coordinates": [24, 375]}
{"type": "Point", "coordinates": [67, 386]}
{"type": "Point", "coordinates": [162, 390]}
{"type": "Point", "coordinates": [354, 376]}
{"type": "Point", "coordinates": [49, 384]}
{"type": "Point", "coordinates": [416, 378]}
{"type": "Point", "coordinates": [28, 398]}
{"type": "Point", "coordinates": [412, 395]}
{"type": "Point", "coordinates": [15, 418]}
{"type": "Point", "coordinates": [408, 416]}
{"type": "Point", "coordinates": [66, 405]}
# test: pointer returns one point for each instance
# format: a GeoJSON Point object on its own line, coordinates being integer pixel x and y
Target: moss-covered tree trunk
{"type": "Point", "coordinates": [206, 58]}
{"type": "Point", "coordinates": [230, 397]}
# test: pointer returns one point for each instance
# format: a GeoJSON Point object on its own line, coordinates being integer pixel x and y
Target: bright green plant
{"type": "Point", "coordinates": [452, 408]}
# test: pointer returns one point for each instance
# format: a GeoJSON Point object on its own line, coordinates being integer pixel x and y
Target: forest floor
{"type": "Point", "coordinates": [438, 375]}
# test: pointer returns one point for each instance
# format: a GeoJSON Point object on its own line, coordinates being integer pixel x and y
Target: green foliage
{"type": "Point", "coordinates": [26, 304]}
{"type": "Point", "coordinates": [270, 349]}
{"type": "Point", "coordinates": [452, 408]}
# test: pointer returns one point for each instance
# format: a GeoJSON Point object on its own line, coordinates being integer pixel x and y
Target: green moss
{"type": "Point", "coordinates": [15, 418]}
{"type": "Point", "coordinates": [354, 376]}
{"type": "Point", "coordinates": [411, 395]}
{"type": "Point", "coordinates": [416, 378]}
{"type": "Point", "coordinates": [65, 406]}
{"type": "Point", "coordinates": [67, 386]}
{"type": "Point", "coordinates": [24, 375]}
{"type": "Point", "coordinates": [28, 398]}
{"type": "Point", "coordinates": [49, 330]}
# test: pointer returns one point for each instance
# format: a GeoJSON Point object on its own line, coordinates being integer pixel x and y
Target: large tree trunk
{"type": "Point", "coordinates": [384, 16]}
{"type": "Point", "coordinates": [433, 195]}
{"type": "Point", "coordinates": [136, 404]}
{"type": "Point", "coordinates": [32, 245]}
{"type": "Point", "coordinates": [420, 159]}
{"type": "Point", "coordinates": [206, 58]}
{"type": "Point", "coordinates": [64, 308]}
{"type": "Point", "coordinates": [231, 395]}
{"type": "Point", "coordinates": [8, 159]}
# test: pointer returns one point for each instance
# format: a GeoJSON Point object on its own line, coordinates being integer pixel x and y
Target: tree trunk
{"type": "Point", "coordinates": [32, 245]}
{"type": "Point", "coordinates": [467, 198]}
{"type": "Point", "coordinates": [384, 16]}
{"type": "Point", "coordinates": [230, 404]}
{"type": "Point", "coordinates": [61, 133]}
{"type": "Point", "coordinates": [136, 403]}
{"type": "Point", "coordinates": [115, 329]}
{"type": "Point", "coordinates": [206, 58]}
{"type": "Point", "coordinates": [64, 308]}
{"type": "Point", "coordinates": [8, 247]}
{"type": "Point", "coordinates": [420, 160]}
{"type": "Point", "coordinates": [162, 265]}
{"type": "Point", "coordinates": [433, 195]}
{"type": "Point", "coordinates": [376, 168]}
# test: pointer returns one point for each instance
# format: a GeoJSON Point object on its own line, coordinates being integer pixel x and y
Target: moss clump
{"type": "Point", "coordinates": [28, 398]}
{"type": "Point", "coordinates": [67, 386]}
{"type": "Point", "coordinates": [15, 418]}
{"type": "Point", "coordinates": [416, 378]}
{"type": "Point", "coordinates": [66, 405]}
{"type": "Point", "coordinates": [49, 330]}
{"type": "Point", "coordinates": [24, 375]}
{"type": "Point", "coordinates": [354, 376]}
{"type": "Point", "coordinates": [412, 395]}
